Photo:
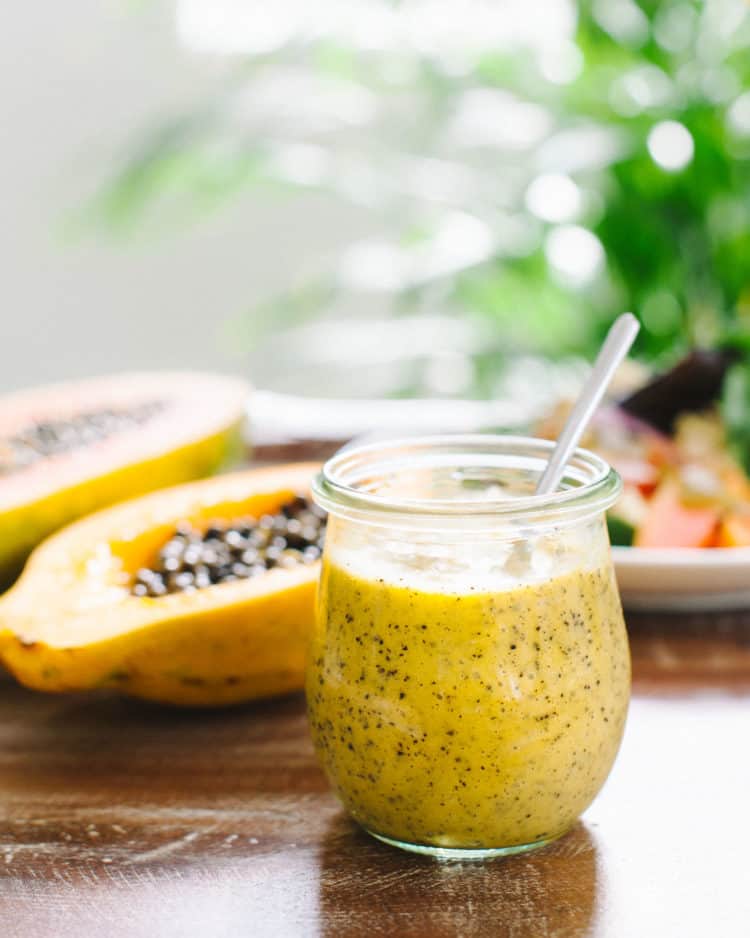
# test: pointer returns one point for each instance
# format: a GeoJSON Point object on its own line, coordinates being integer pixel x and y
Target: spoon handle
{"type": "Point", "coordinates": [616, 346]}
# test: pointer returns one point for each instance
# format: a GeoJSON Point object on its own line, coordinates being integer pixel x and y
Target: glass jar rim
{"type": "Point", "coordinates": [590, 484]}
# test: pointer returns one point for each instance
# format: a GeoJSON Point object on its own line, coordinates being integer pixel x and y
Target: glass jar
{"type": "Point", "coordinates": [469, 673]}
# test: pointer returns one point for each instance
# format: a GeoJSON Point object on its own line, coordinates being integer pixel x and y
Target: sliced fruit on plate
{"type": "Point", "coordinates": [734, 532]}
{"type": "Point", "coordinates": [637, 473]}
{"type": "Point", "coordinates": [68, 449]}
{"type": "Point", "coordinates": [669, 522]}
{"type": "Point", "coordinates": [201, 594]}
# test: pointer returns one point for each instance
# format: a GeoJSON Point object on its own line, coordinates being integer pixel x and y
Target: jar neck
{"type": "Point", "coordinates": [461, 482]}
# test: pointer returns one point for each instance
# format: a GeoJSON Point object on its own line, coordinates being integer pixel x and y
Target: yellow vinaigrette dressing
{"type": "Point", "coordinates": [468, 720]}
{"type": "Point", "coordinates": [459, 703]}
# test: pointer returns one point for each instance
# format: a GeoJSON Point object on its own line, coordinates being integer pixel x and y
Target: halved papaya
{"type": "Point", "coordinates": [72, 621]}
{"type": "Point", "coordinates": [69, 449]}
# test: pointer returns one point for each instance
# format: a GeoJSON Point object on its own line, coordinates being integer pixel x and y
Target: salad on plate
{"type": "Point", "coordinates": [681, 443]}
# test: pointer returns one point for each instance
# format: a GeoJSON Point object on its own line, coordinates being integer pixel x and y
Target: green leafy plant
{"type": "Point", "coordinates": [532, 188]}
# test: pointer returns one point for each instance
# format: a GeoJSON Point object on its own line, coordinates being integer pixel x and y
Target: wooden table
{"type": "Point", "coordinates": [119, 818]}
{"type": "Point", "coordinates": [122, 819]}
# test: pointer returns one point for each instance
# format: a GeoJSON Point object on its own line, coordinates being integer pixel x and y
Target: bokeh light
{"type": "Point", "coordinates": [671, 145]}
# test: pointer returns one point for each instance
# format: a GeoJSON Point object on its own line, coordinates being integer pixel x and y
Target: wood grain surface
{"type": "Point", "coordinates": [124, 820]}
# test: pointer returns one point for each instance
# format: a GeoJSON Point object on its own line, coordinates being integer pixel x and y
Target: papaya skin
{"type": "Point", "coordinates": [212, 659]}
{"type": "Point", "coordinates": [71, 624]}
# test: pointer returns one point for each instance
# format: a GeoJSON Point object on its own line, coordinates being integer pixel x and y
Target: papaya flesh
{"type": "Point", "coordinates": [145, 431]}
{"type": "Point", "coordinates": [71, 621]}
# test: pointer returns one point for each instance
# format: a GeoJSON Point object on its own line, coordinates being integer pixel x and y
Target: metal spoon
{"type": "Point", "coordinates": [616, 346]}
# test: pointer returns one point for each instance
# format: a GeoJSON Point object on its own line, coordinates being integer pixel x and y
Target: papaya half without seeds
{"type": "Point", "coordinates": [69, 449]}
{"type": "Point", "coordinates": [73, 622]}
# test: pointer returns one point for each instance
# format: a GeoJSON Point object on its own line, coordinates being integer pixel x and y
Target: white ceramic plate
{"type": "Point", "coordinates": [683, 579]}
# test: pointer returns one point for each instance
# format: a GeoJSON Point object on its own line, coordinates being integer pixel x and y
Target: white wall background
{"type": "Point", "coordinates": [77, 82]}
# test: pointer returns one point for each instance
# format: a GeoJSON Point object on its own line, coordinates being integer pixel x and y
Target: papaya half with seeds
{"type": "Point", "coordinates": [69, 449]}
{"type": "Point", "coordinates": [72, 621]}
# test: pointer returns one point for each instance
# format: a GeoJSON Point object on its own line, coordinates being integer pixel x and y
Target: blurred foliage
{"type": "Point", "coordinates": [534, 187]}
{"type": "Point", "coordinates": [735, 409]}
